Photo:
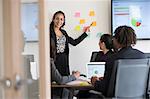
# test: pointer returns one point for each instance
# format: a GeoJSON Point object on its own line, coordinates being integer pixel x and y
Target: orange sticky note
{"type": "Point", "coordinates": [92, 13]}
{"type": "Point", "coordinates": [94, 23]}
{"type": "Point", "coordinates": [82, 21]}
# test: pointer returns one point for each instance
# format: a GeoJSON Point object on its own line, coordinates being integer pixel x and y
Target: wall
{"type": "Point", "coordinates": [81, 10]}
{"type": "Point", "coordinates": [143, 45]}
{"type": "Point", "coordinates": [80, 54]}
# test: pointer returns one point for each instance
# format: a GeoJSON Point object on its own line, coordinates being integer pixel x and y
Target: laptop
{"type": "Point", "coordinates": [95, 69]}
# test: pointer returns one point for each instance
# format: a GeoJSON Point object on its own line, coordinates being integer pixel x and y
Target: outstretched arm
{"type": "Point", "coordinates": [80, 38]}
{"type": "Point", "coordinates": [56, 76]}
{"type": "Point", "coordinates": [74, 42]}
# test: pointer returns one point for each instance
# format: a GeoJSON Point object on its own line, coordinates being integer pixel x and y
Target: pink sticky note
{"type": "Point", "coordinates": [77, 14]}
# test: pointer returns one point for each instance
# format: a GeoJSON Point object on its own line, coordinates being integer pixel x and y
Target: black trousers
{"type": "Point", "coordinates": [85, 94]}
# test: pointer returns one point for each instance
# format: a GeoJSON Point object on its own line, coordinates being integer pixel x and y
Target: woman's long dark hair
{"type": "Point", "coordinates": [51, 26]}
{"type": "Point", "coordinates": [107, 39]}
{"type": "Point", "coordinates": [52, 49]}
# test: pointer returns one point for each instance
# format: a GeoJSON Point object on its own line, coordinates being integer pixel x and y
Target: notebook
{"type": "Point", "coordinates": [95, 69]}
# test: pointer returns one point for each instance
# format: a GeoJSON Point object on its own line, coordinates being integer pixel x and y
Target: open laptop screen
{"type": "Point", "coordinates": [95, 69]}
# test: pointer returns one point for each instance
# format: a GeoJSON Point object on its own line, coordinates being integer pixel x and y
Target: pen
{"type": "Point", "coordinates": [91, 24]}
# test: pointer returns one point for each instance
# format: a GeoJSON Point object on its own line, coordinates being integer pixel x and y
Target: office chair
{"type": "Point", "coordinates": [129, 79]}
{"type": "Point", "coordinates": [147, 55]}
{"type": "Point", "coordinates": [93, 56]}
{"type": "Point", "coordinates": [31, 89]}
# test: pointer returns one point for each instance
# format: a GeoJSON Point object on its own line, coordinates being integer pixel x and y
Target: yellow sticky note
{"type": "Point", "coordinates": [92, 13]}
{"type": "Point", "coordinates": [82, 21]}
{"type": "Point", "coordinates": [77, 28]}
{"type": "Point", "coordinates": [94, 23]}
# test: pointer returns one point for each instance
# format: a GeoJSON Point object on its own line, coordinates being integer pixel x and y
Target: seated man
{"type": "Point", "coordinates": [123, 41]}
{"type": "Point", "coordinates": [56, 76]}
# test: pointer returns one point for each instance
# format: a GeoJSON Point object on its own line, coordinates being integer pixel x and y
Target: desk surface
{"type": "Point", "coordinates": [79, 87]}
{"type": "Point", "coordinates": [74, 86]}
{"type": "Point", "coordinates": [64, 85]}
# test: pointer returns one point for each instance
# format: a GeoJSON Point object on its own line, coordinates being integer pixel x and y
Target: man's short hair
{"type": "Point", "coordinates": [125, 35]}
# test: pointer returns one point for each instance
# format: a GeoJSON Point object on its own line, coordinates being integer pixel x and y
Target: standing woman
{"type": "Point", "coordinates": [62, 41]}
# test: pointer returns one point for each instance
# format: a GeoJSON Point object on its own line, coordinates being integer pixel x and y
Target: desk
{"type": "Point", "coordinates": [77, 87]}
{"type": "Point", "coordinates": [72, 88]}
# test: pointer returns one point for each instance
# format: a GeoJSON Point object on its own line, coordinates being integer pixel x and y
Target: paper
{"type": "Point", "coordinates": [78, 82]}
{"type": "Point", "coordinates": [84, 79]}
{"type": "Point", "coordinates": [78, 28]}
{"type": "Point", "coordinates": [94, 23]}
{"type": "Point", "coordinates": [33, 70]}
{"type": "Point", "coordinates": [82, 21]}
{"type": "Point", "coordinates": [77, 14]}
{"type": "Point", "coordinates": [92, 13]}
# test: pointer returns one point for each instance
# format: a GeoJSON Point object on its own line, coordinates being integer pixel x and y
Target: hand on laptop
{"type": "Point", "coordinates": [94, 79]}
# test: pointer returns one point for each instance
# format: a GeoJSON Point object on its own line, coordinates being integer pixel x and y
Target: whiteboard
{"type": "Point", "coordinates": [80, 13]}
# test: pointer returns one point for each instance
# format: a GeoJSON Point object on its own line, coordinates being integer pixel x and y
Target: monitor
{"type": "Point", "coordinates": [95, 69]}
{"type": "Point", "coordinates": [134, 13]}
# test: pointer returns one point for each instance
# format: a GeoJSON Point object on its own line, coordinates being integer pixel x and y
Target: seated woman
{"type": "Point", "coordinates": [59, 93]}
{"type": "Point", "coordinates": [105, 44]}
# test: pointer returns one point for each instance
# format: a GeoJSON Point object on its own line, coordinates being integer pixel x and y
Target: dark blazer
{"type": "Point", "coordinates": [62, 59]}
{"type": "Point", "coordinates": [56, 76]}
{"type": "Point", "coordinates": [69, 39]}
{"type": "Point", "coordinates": [124, 53]}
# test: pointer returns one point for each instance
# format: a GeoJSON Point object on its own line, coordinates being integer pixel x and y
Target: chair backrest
{"type": "Point", "coordinates": [93, 56]}
{"type": "Point", "coordinates": [147, 55]}
{"type": "Point", "coordinates": [129, 78]}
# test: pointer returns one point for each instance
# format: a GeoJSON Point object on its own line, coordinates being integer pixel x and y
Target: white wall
{"type": "Point", "coordinates": [143, 45]}
{"type": "Point", "coordinates": [80, 54]}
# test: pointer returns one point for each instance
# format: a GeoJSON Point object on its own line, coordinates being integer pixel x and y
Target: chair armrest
{"type": "Point", "coordinates": [95, 92]}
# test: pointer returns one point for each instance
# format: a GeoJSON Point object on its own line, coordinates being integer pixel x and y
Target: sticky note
{"type": "Point", "coordinates": [94, 23]}
{"type": "Point", "coordinates": [77, 14]}
{"type": "Point", "coordinates": [77, 28]}
{"type": "Point", "coordinates": [91, 13]}
{"type": "Point", "coordinates": [82, 21]}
